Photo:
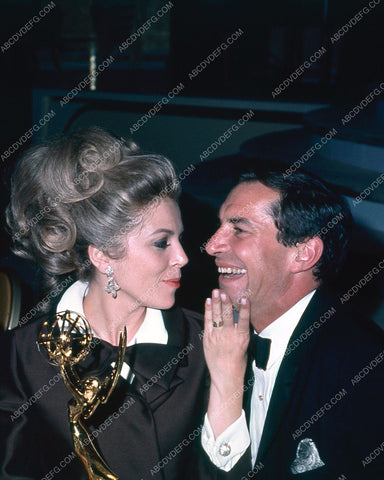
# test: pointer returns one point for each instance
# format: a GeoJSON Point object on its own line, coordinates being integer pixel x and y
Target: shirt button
{"type": "Point", "coordinates": [261, 397]}
{"type": "Point", "coordinates": [224, 449]}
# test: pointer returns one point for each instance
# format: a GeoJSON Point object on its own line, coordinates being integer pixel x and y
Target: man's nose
{"type": "Point", "coordinates": [218, 243]}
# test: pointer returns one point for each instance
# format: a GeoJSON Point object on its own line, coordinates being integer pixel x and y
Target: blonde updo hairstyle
{"type": "Point", "coordinates": [85, 188]}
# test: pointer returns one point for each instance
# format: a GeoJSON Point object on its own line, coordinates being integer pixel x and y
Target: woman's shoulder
{"type": "Point", "coordinates": [22, 338]}
{"type": "Point", "coordinates": [24, 330]}
{"type": "Point", "coordinates": [183, 325]}
{"type": "Point", "coordinates": [193, 316]}
{"type": "Point", "coordinates": [194, 319]}
{"type": "Point", "coordinates": [27, 369]}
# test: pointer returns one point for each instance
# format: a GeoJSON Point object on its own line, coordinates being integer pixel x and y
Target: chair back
{"type": "Point", "coordinates": [10, 300]}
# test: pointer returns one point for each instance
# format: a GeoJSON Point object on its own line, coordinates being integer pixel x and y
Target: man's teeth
{"type": "Point", "coordinates": [237, 271]}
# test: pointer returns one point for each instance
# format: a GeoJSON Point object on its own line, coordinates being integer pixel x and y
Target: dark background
{"type": "Point", "coordinates": [278, 37]}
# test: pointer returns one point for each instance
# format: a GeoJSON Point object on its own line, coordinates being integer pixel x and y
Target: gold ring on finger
{"type": "Point", "coordinates": [218, 324]}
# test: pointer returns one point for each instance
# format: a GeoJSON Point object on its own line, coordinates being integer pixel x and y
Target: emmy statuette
{"type": "Point", "coordinates": [67, 340]}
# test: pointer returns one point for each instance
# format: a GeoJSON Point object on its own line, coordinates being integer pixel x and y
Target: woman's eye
{"type": "Point", "coordinates": [162, 243]}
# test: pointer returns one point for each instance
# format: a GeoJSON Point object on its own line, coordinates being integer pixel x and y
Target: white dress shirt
{"type": "Point", "coordinates": [230, 445]}
{"type": "Point", "coordinates": [152, 330]}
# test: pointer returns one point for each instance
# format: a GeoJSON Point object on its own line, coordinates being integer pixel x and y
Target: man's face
{"type": "Point", "coordinates": [250, 260]}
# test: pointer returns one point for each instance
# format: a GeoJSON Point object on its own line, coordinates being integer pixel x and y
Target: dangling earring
{"type": "Point", "coordinates": [112, 287]}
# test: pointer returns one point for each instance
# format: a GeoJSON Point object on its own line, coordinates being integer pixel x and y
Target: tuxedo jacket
{"type": "Point", "coordinates": [149, 429]}
{"type": "Point", "coordinates": [328, 395]}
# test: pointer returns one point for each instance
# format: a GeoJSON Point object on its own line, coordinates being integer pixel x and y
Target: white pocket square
{"type": "Point", "coordinates": [307, 457]}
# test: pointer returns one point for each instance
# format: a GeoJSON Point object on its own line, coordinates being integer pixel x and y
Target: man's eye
{"type": "Point", "coordinates": [162, 243]}
{"type": "Point", "coordinates": [238, 230]}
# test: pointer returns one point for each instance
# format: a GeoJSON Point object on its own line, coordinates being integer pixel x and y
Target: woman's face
{"type": "Point", "coordinates": [150, 272]}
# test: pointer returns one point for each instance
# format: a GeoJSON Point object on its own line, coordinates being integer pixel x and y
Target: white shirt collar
{"type": "Point", "coordinates": [152, 329]}
{"type": "Point", "coordinates": [280, 331]}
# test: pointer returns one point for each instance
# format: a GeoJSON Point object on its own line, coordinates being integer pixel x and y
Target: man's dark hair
{"type": "Point", "coordinates": [308, 208]}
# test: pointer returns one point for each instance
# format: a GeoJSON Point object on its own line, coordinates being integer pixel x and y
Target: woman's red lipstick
{"type": "Point", "coordinates": [173, 282]}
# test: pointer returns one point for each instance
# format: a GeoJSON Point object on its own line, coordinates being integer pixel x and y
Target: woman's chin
{"type": "Point", "coordinates": [168, 305]}
{"type": "Point", "coordinates": [163, 304]}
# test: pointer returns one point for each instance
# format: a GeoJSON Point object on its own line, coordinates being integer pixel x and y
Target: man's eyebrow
{"type": "Point", "coordinates": [242, 220]}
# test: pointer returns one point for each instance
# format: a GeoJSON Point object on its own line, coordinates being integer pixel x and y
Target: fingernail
{"type": "Point", "coordinates": [223, 297]}
{"type": "Point", "coordinates": [243, 301]}
{"type": "Point", "coordinates": [209, 301]}
{"type": "Point", "coordinates": [216, 293]}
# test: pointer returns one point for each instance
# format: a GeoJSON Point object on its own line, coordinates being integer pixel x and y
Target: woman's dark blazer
{"type": "Point", "coordinates": [148, 429]}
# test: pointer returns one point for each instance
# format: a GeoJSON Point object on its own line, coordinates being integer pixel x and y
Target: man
{"type": "Point", "coordinates": [314, 404]}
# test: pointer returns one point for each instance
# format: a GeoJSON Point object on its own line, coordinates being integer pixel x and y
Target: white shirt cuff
{"type": "Point", "coordinates": [229, 446]}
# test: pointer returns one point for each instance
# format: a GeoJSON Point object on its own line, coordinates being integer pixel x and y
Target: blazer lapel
{"type": "Point", "coordinates": [158, 368]}
{"type": "Point", "coordinates": [155, 369]}
{"type": "Point", "coordinates": [289, 368]}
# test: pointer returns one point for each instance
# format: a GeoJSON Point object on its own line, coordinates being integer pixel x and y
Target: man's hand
{"type": "Point", "coordinates": [225, 348]}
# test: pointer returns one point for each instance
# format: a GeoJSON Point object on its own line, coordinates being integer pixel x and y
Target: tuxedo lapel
{"type": "Point", "coordinates": [293, 361]}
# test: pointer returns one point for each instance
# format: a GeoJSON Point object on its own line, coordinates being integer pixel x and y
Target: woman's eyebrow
{"type": "Point", "coordinates": [163, 230]}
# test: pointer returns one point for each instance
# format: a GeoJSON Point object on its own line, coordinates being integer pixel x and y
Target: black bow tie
{"type": "Point", "coordinates": [258, 349]}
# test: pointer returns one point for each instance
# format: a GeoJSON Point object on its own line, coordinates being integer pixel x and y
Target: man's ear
{"type": "Point", "coordinates": [98, 258]}
{"type": "Point", "coordinates": [308, 253]}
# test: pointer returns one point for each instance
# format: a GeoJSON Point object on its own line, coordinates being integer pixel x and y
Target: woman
{"type": "Point", "coordinates": [95, 208]}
